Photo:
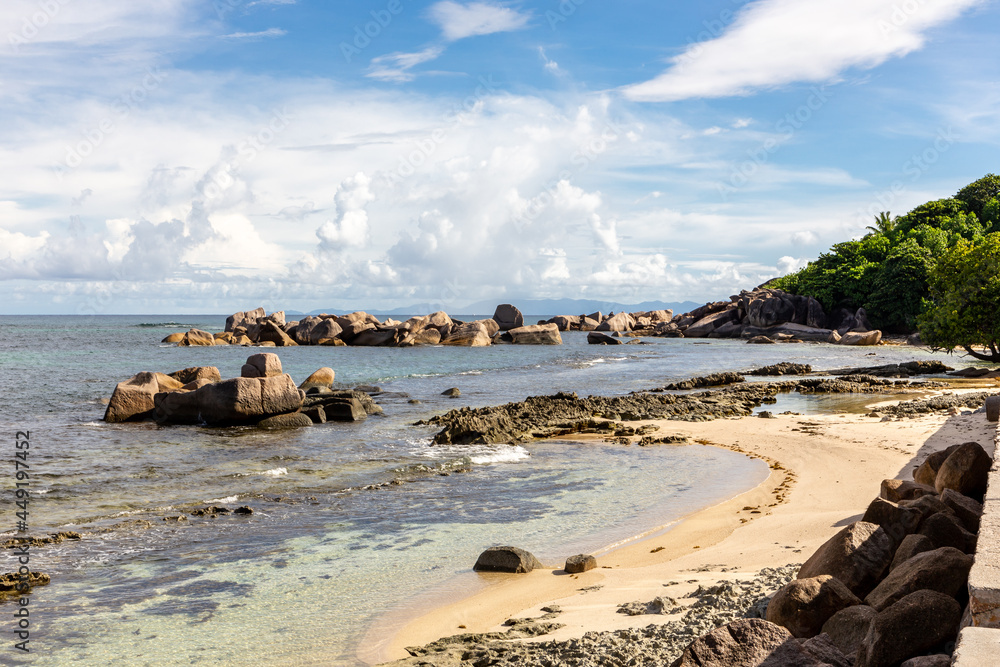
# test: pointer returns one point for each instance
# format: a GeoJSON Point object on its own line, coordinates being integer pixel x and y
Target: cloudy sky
{"type": "Point", "coordinates": [179, 156]}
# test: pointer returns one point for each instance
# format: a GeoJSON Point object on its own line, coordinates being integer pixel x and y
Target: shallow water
{"type": "Point", "coordinates": [322, 556]}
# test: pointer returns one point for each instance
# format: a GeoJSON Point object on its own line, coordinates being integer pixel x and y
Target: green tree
{"type": "Point", "coordinates": [884, 224]}
{"type": "Point", "coordinates": [933, 214]}
{"type": "Point", "coordinates": [900, 286]}
{"type": "Point", "coordinates": [962, 310]}
{"type": "Point", "coordinates": [978, 194]}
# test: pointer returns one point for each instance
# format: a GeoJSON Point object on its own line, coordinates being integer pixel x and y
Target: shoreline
{"type": "Point", "coordinates": [780, 521]}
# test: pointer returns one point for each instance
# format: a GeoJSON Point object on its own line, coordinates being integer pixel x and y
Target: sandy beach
{"type": "Point", "coordinates": [824, 472]}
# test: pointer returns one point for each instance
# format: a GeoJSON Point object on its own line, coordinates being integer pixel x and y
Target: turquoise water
{"type": "Point", "coordinates": [324, 554]}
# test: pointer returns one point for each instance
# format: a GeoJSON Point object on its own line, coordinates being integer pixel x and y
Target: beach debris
{"type": "Point", "coordinates": [658, 605]}
{"type": "Point", "coordinates": [506, 559]}
{"type": "Point", "coordinates": [580, 563]}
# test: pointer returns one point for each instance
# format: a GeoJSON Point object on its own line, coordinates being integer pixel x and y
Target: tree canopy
{"type": "Point", "coordinates": [889, 271]}
{"type": "Point", "coordinates": [964, 296]}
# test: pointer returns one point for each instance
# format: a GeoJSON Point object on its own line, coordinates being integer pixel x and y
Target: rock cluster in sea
{"type": "Point", "coordinates": [761, 315]}
{"type": "Point", "coordinates": [263, 396]}
{"type": "Point", "coordinates": [363, 329]}
{"type": "Point", "coordinates": [566, 413]}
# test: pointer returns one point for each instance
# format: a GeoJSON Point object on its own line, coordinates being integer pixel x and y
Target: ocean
{"type": "Point", "coordinates": [352, 523]}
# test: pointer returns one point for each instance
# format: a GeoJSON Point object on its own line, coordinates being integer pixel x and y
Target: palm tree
{"type": "Point", "coordinates": [884, 224]}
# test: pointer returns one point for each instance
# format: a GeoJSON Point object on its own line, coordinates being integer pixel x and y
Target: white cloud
{"type": "Point", "coordinates": [458, 21]}
{"type": "Point", "coordinates": [397, 66]}
{"type": "Point", "coordinates": [263, 34]}
{"type": "Point", "coordinates": [351, 229]}
{"type": "Point", "coordinates": [550, 65]}
{"type": "Point", "coordinates": [804, 237]}
{"type": "Point", "coordinates": [788, 265]}
{"type": "Point", "coordinates": [772, 43]}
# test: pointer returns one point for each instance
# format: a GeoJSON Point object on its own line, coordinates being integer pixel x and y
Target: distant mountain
{"type": "Point", "coordinates": [531, 307]}
{"type": "Point", "coordinates": [574, 306]}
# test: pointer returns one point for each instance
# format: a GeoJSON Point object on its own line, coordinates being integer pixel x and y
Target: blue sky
{"type": "Point", "coordinates": [170, 156]}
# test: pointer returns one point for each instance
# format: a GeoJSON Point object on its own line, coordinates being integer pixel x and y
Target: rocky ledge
{"type": "Point", "coordinates": [263, 396]}
{"type": "Point", "coordinates": [566, 413]}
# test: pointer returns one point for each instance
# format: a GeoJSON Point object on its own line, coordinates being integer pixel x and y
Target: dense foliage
{"type": "Point", "coordinates": [965, 292]}
{"type": "Point", "coordinates": [897, 271]}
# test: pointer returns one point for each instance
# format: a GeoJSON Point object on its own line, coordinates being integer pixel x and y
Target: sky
{"type": "Point", "coordinates": [196, 156]}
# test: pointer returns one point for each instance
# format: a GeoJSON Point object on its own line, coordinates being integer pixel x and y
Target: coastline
{"type": "Point", "coordinates": [802, 502]}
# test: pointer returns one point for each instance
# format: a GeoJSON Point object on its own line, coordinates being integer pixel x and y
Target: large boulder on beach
{"type": "Point", "coordinates": [177, 407]}
{"type": "Point", "coordinates": [619, 322]}
{"type": "Point", "coordinates": [323, 377]}
{"type": "Point", "coordinates": [323, 331]}
{"type": "Point", "coordinates": [789, 329]}
{"type": "Point", "coordinates": [132, 399]}
{"type": "Point", "coordinates": [945, 530]}
{"type": "Point", "coordinates": [506, 559]}
{"type": "Point", "coordinates": [598, 338]}
{"type": "Point", "coordinates": [858, 556]}
{"type": "Point", "coordinates": [965, 470]}
{"type": "Point", "coordinates": [377, 337]}
{"type": "Point", "coordinates": [747, 642]}
{"type": "Point", "coordinates": [304, 329]}
{"type": "Point", "coordinates": [945, 570]}
{"type": "Point", "coordinates": [802, 606]}
{"type": "Point", "coordinates": [263, 365]}
{"type": "Point", "coordinates": [357, 317]}
{"type": "Point", "coordinates": [426, 336]}
{"type": "Point", "coordinates": [352, 330]}
{"type": "Point", "coordinates": [712, 323]}
{"type": "Point", "coordinates": [897, 521]}
{"type": "Point", "coordinates": [966, 510]}
{"type": "Point", "coordinates": [926, 472]}
{"type": "Point", "coordinates": [898, 490]}
{"type": "Point", "coordinates": [580, 563]}
{"type": "Point", "coordinates": [174, 337]}
{"type": "Point", "coordinates": [273, 333]}
{"type": "Point", "coordinates": [536, 334]}
{"type": "Point", "coordinates": [508, 317]}
{"type": "Point", "coordinates": [248, 400]}
{"type": "Point", "coordinates": [187, 375]}
{"type": "Point", "coordinates": [860, 338]}
{"type": "Point", "coordinates": [910, 547]}
{"type": "Point", "coordinates": [196, 338]}
{"type": "Point", "coordinates": [289, 420]}
{"type": "Point", "coordinates": [470, 334]}
{"type": "Point", "coordinates": [849, 627]}
{"type": "Point", "coordinates": [909, 627]}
